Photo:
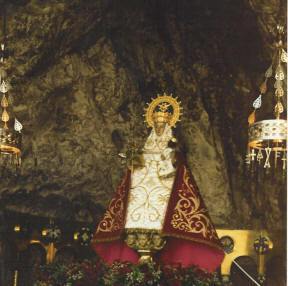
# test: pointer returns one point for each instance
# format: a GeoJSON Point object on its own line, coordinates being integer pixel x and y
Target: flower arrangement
{"type": "Point", "coordinates": [96, 273]}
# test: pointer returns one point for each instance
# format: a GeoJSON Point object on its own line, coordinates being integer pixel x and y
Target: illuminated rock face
{"type": "Point", "coordinates": [83, 71]}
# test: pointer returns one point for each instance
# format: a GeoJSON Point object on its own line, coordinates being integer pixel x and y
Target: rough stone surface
{"type": "Point", "coordinates": [82, 72]}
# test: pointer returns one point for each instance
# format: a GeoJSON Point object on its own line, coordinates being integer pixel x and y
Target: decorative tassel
{"type": "Point", "coordinates": [269, 72]}
{"type": "Point", "coordinates": [257, 102]}
{"type": "Point", "coordinates": [278, 109]}
{"type": "Point", "coordinates": [284, 56]}
{"type": "Point", "coordinates": [17, 126]}
{"type": "Point", "coordinates": [4, 102]}
{"type": "Point", "coordinates": [5, 116]}
{"type": "Point", "coordinates": [252, 118]}
{"type": "Point", "coordinates": [279, 92]}
{"type": "Point", "coordinates": [279, 73]}
{"type": "Point", "coordinates": [263, 87]}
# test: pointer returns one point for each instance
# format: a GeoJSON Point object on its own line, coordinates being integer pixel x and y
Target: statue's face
{"type": "Point", "coordinates": [157, 240]}
{"type": "Point", "coordinates": [130, 239]}
{"type": "Point", "coordinates": [159, 127]}
{"type": "Point", "coordinates": [142, 240]}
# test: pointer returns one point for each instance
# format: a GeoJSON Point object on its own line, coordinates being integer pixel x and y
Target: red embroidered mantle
{"type": "Point", "coordinates": [186, 217]}
{"type": "Point", "coordinates": [111, 227]}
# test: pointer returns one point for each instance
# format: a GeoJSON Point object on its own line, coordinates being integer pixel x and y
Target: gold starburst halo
{"type": "Point", "coordinates": [164, 102]}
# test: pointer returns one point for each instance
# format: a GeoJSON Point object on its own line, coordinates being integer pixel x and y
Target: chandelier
{"type": "Point", "coordinates": [267, 138]}
{"type": "Point", "coordinates": [10, 127]}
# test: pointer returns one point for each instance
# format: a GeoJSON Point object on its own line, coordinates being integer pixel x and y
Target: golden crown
{"type": "Point", "coordinates": [164, 108]}
{"type": "Point", "coordinates": [163, 115]}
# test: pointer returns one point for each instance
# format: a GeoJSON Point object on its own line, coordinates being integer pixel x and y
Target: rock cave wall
{"type": "Point", "coordinates": [82, 72]}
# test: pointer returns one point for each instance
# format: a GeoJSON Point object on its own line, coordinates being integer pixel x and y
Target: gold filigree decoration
{"type": "Point", "coordinates": [163, 102]}
{"type": "Point", "coordinates": [188, 215]}
{"type": "Point", "coordinates": [113, 219]}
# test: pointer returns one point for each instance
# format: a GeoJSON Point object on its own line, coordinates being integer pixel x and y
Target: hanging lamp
{"type": "Point", "coordinates": [10, 127]}
{"type": "Point", "coordinates": [267, 138]}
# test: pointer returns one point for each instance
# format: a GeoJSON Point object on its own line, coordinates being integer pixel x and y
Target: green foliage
{"type": "Point", "coordinates": [90, 273]}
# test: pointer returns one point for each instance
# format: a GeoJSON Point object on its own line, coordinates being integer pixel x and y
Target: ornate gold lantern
{"type": "Point", "coordinates": [10, 132]}
{"type": "Point", "coordinates": [267, 138]}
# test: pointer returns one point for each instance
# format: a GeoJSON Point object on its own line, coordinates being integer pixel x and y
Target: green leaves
{"type": "Point", "coordinates": [90, 273]}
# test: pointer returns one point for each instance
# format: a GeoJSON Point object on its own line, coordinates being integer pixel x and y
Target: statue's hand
{"type": "Point", "coordinates": [168, 153]}
{"type": "Point", "coordinates": [122, 155]}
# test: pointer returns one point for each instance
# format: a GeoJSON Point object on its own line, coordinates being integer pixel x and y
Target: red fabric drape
{"type": "Point", "coordinates": [187, 253]}
{"type": "Point", "coordinates": [115, 250]}
{"type": "Point", "coordinates": [191, 236]}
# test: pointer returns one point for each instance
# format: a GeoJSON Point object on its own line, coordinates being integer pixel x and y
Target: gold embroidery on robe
{"type": "Point", "coordinates": [188, 214]}
{"type": "Point", "coordinates": [113, 218]}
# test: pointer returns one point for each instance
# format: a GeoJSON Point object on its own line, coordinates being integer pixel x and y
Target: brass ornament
{"type": "Point", "coordinates": [278, 84]}
{"type": "Point", "coordinates": [284, 56]}
{"type": "Point", "coordinates": [279, 92]}
{"type": "Point", "coordinates": [164, 103]}
{"type": "Point", "coordinates": [262, 245]}
{"type": "Point", "coordinates": [5, 116]}
{"type": "Point", "coordinates": [269, 72]}
{"type": "Point", "coordinates": [257, 102]}
{"type": "Point", "coordinates": [252, 118]}
{"type": "Point", "coordinates": [145, 241]}
{"type": "Point", "coordinates": [4, 87]}
{"type": "Point", "coordinates": [279, 73]}
{"type": "Point", "coordinates": [17, 126]}
{"type": "Point", "coordinates": [10, 139]}
{"type": "Point", "coordinates": [264, 130]}
{"type": "Point", "coordinates": [227, 243]}
{"type": "Point", "coordinates": [278, 108]}
{"type": "Point", "coordinates": [4, 102]}
{"type": "Point", "coordinates": [263, 87]}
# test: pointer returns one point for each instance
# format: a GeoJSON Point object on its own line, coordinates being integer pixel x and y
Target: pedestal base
{"type": "Point", "coordinates": [146, 242]}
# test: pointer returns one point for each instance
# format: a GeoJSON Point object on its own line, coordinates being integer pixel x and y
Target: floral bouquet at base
{"type": "Point", "coordinates": [96, 273]}
{"type": "Point", "coordinates": [86, 273]}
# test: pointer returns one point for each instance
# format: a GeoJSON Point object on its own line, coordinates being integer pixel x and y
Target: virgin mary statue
{"type": "Point", "coordinates": [157, 208]}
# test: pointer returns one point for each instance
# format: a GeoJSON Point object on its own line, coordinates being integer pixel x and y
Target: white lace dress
{"type": "Point", "coordinates": [151, 185]}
